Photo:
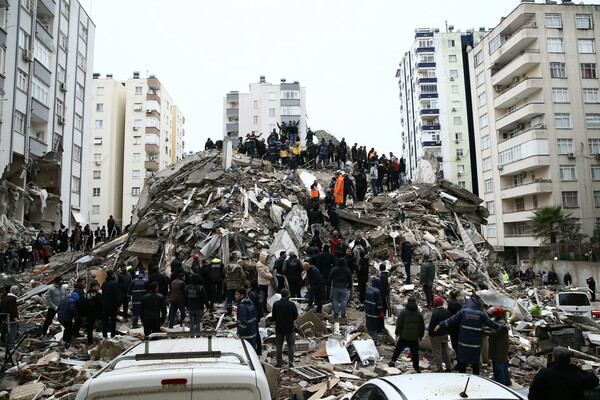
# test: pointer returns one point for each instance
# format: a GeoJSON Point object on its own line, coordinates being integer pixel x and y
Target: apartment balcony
{"type": "Point", "coordinates": [231, 112]}
{"type": "Point", "coordinates": [515, 139]}
{"type": "Point", "coordinates": [151, 165]}
{"type": "Point", "coordinates": [515, 44]}
{"type": "Point", "coordinates": [523, 62]}
{"type": "Point", "coordinates": [517, 215]}
{"type": "Point", "coordinates": [520, 115]}
{"type": "Point", "coordinates": [426, 80]}
{"type": "Point", "coordinates": [37, 147]}
{"type": "Point", "coordinates": [152, 148]}
{"type": "Point", "coordinates": [423, 34]}
{"type": "Point", "coordinates": [527, 188]}
{"type": "Point", "coordinates": [520, 240]}
{"type": "Point", "coordinates": [526, 164]}
{"type": "Point", "coordinates": [153, 84]}
{"type": "Point", "coordinates": [425, 50]}
{"type": "Point", "coordinates": [152, 113]}
{"type": "Point", "coordinates": [153, 96]}
{"type": "Point", "coordinates": [518, 91]}
{"type": "Point", "coordinates": [232, 127]}
{"type": "Point", "coordinates": [433, 127]}
{"type": "Point", "coordinates": [423, 96]}
{"type": "Point", "coordinates": [152, 129]}
{"type": "Point", "coordinates": [429, 112]}
{"type": "Point", "coordinates": [425, 65]}
{"type": "Point", "coordinates": [39, 111]}
{"type": "Point", "coordinates": [434, 143]}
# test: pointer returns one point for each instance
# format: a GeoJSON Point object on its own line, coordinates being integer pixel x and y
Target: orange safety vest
{"type": "Point", "coordinates": [314, 192]}
{"type": "Point", "coordinates": [338, 190]}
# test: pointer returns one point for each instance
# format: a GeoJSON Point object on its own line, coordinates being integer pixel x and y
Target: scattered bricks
{"type": "Point", "coordinates": [366, 373]}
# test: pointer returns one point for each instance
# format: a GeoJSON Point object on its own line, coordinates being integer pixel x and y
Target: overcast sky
{"type": "Point", "coordinates": [344, 52]}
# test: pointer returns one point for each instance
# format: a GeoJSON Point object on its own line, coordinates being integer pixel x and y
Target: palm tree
{"type": "Point", "coordinates": [552, 223]}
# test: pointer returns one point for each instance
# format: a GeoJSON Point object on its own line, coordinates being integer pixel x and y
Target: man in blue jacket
{"type": "Point", "coordinates": [67, 311]}
{"type": "Point", "coordinates": [406, 256]}
{"type": "Point", "coordinates": [137, 289]}
{"type": "Point", "coordinates": [247, 325]}
{"type": "Point", "coordinates": [195, 300]}
{"type": "Point", "coordinates": [374, 309]}
{"type": "Point", "coordinates": [315, 286]}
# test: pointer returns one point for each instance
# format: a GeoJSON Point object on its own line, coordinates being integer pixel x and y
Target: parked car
{"type": "Point", "coordinates": [212, 366]}
{"type": "Point", "coordinates": [442, 386]}
{"type": "Point", "coordinates": [574, 303]}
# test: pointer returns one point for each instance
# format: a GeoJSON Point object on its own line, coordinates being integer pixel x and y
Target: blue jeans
{"type": "Point", "coordinates": [229, 301]}
{"type": "Point", "coordinates": [501, 374]}
{"type": "Point", "coordinates": [176, 305]}
{"type": "Point", "coordinates": [374, 186]}
{"type": "Point", "coordinates": [339, 295]}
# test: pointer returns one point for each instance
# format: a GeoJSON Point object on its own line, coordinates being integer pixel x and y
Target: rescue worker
{"type": "Point", "coordinates": [67, 310]}
{"type": "Point", "coordinates": [153, 310]}
{"type": "Point", "coordinates": [314, 191]}
{"type": "Point", "coordinates": [374, 309]}
{"type": "Point", "coordinates": [196, 264]}
{"type": "Point", "coordinates": [338, 189]}
{"type": "Point", "coordinates": [426, 278]}
{"type": "Point", "coordinates": [247, 326]}
{"type": "Point", "coordinates": [137, 289]}
{"type": "Point", "coordinates": [235, 277]}
{"type": "Point", "coordinates": [195, 300]}
{"type": "Point", "coordinates": [92, 306]}
{"type": "Point", "coordinates": [278, 267]}
{"type": "Point", "coordinates": [216, 274]}
{"type": "Point", "coordinates": [292, 269]}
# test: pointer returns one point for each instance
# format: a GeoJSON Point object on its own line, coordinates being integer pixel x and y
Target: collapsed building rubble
{"type": "Point", "coordinates": [197, 207]}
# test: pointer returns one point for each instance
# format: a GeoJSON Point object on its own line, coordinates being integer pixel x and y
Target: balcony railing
{"type": "Point", "coordinates": [518, 211]}
{"type": "Point", "coordinates": [517, 235]}
{"type": "Point", "coordinates": [428, 96]}
{"type": "Point", "coordinates": [426, 65]}
{"type": "Point", "coordinates": [519, 108]}
{"type": "Point", "coordinates": [530, 182]}
{"type": "Point", "coordinates": [431, 127]}
{"type": "Point", "coordinates": [512, 135]}
{"type": "Point", "coordinates": [425, 49]}
{"type": "Point", "coordinates": [499, 68]}
{"type": "Point", "coordinates": [426, 80]}
{"type": "Point", "coordinates": [430, 111]}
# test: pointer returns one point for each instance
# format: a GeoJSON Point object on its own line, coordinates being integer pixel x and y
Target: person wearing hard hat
{"type": "Point", "coordinates": [196, 264]}
{"type": "Point", "coordinates": [314, 191]}
{"type": "Point", "coordinates": [338, 190]}
{"type": "Point", "coordinates": [498, 348]}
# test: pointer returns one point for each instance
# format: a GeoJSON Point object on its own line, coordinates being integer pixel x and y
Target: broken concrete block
{"type": "Point", "coordinates": [377, 237]}
{"type": "Point", "coordinates": [310, 316]}
{"type": "Point", "coordinates": [537, 362]}
{"type": "Point", "coordinates": [366, 373]}
{"type": "Point", "coordinates": [26, 392]}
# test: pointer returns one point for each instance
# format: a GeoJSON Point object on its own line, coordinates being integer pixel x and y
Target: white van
{"type": "Point", "coordinates": [212, 366]}
{"type": "Point", "coordinates": [574, 303]}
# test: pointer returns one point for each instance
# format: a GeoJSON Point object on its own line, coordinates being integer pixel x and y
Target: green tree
{"type": "Point", "coordinates": [553, 223]}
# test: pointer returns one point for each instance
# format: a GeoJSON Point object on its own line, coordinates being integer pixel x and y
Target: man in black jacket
{"type": "Point", "coordinates": [315, 218]}
{"type": "Point", "coordinates": [361, 184]}
{"type": "Point", "coordinates": [362, 276]}
{"type": "Point", "coordinates": [341, 280]}
{"type": "Point", "coordinates": [453, 307]}
{"type": "Point", "coordinates": [153, 310]}
{"type": "Point", "coordinates": [111, 299]}
{"type": "Point", "coordinates": [284, 314]}
{"type": "Point", "coordinates": [92, 308]}
{"type": "Point", "coordinates": [325, 263]}
{"type": "Point", "coordinates": [315, 286]}
{"type": "Point", "coordinates": [278, 267]}
{"type": "Point", "coordinates": [439, 339]}
{"type": "Point", "coordinates": [561, 380]}
{"type": "Point", "coordinates": [195, 300]}
{"type": "Point", "coordinates": [124, 279]}
{"type": "Point", "coordinates": [292, 270]}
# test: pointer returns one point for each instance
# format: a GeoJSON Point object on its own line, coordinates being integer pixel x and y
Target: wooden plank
{"type": "Point", "coordinates": [85, 366]}
{"type": "Point", "coordinates": [318, 386]}
{"type": "Point", "coordinates": [327, 385]}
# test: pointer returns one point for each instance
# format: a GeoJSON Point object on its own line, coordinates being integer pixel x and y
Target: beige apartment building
{"type": "Point", "coordinates": [137, 132]}
{"type": "Point", "coordinates": [534, 87]}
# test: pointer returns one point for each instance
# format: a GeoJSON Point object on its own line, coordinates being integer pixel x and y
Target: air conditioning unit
{"type": "Point", "coordinates": [63, 87]}
{"type": "Point", "coordinates": [571, 155]}
{"type": "Point", "coordinates": [97, 162]}
{"type": "Point", "coordinates": [27, 55]}
{"type": "Point", "coordinates": [62, 121]}
{"type": "Point", "coordinates": [458, 157]}
{"type": "Point", "coordinates": [148, 110]}
{"type": "Point", "coordinates": [456, 141]}
{"type": "Point", "coordinates": [459, 174]}
{"type": "Point", "coordinates": [598, 156]}
{"type": "Point", "coordinates": [135, 128]}
{"type": "Point", "coordinates": [498, 88]}
{"type": "Point", "coordinates": [451, 78]}
{"type": "Point", "coordinates": [453, 108]}
{"type": "Point", "coordinates": [500, 166]}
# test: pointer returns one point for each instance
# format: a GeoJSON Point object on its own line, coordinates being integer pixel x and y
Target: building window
{"type": "Point", "coordinates": [79, 91]}
{"type": "Point", "coordinates": [61, 74]}
{"type": "Point", "coordinates": [60, 108]}
{"type": "Point", "coordinates": [97, 158]}
{"type": "Point", "coordinates": [592, 121]}
{"type": "Point", "coordinates": [451, 43]}
{"type": "Point", "coordinates": [19, 122]}
{"type": "Point", "coordinates": [137, 140]}
{"type": "Point", "coordinates": [460, 153]}
{"type": "Point", "coordinates": [487, 163]}
{"type": "Point", "coordinates": [99, 107]}
{"type": "Point", "coordinates": [24, 40]}
{"type": "Point", "coordinates": [555, 45]}
{"type": "Point", "coordinates": [137, 106]}
{"type": "Point", "coordinates": [76, 153]}
{"type": "Point", "coordinates": [98, 140]}
{"type": "Point", "coordinates": [271, 112]}
{"type": "Point", "coordinates": [583, 21]}
{"type": "Point", "coordinates": [83, 32]}
{"type": "Point", "coordinates": [135, 174]}
{"type": "Point", "coordinates": [489, 185]}
{"type": "Point", "coordinates": [586, 46]}
{"type": "Point", "coordinates": [569, 199]}
{"type": "Point", "coordinates": [458, 136]}
{"type": "Point", "coordinates": [2, 57]}
{"type": "Point", "coordinates": [596, 199]}
{"type": "Point", "coordinates": [97, 174]}
{"type": "Point", "coordinates": [42, 54]}
{"type": "Point", "coordinates": [100, 91]}
{"type": "Point", "coordinates": [82, 62]}
{"type": "Point", "coordinates": [22, 81]}
{"type": "Point", "coordinates": [591, 96]}
{"type": "Point", "coordinates": [290, 110]}
{"type": "Point", "coordinates": [565, 146]}
{"type": "Point", "coordinates": [63, 42]}
{"type": "Point", "coordinates": [562, 121]}
{"type": "Point", "coordinates": [594, 146]}
{"type": "Point", "coordinates": [290, 94]}
{"type": "Point", "coordinates": [485, 142]}
{"type": "Point", "coordinates": [483, 121]}
{"type": "Point", "coordinates": [39, 91]}
{"type": "Point", "coordinates": [588, 71]}
{"type": "Point", "coordinates": [460, 169]}
{"type": "Point", "coordinates": [560, 95]}
{"type": "Point", "coordinates": [428, 88]}
{"type": "Point", "coordinates": [256, 119]}
{"type": "Point", "coordinates": [78, 122]}
{"type": "Point", "coordinates": [96, 192]}
{"type": "Point", "coordinates": [520, 204]}
{"type": "Point", "coordinates": [137, 123]}
{"type": "Point", "coordinates": [596, 172]}
{"type": "Point", "coordinates": [255, 104]}
{"type": "Point", "coordinates": [490, 206]}
{"type": "Point", "coordinates": [271, 96]}
{"type": "Point", "coordinates": [478, 59]}
{"type": "Point", "coordinates": [454, 73]}
{"type": "Point", "coordinates": [482, 99]}
{"type": "Point", "coordinates": [454, 88]}
{"type": "Point", "coordinates": [558, 70]}
{"type": "Point", "coordinates": [135, 191]}
{"type": "Point", "coordinates": [553, 21]}
{"type": "Point", "coordinates": [99, 123]}
{"type": "Point", "coordinates": [457, 121]}
{"type": "Point", "coordinates": [64, 8]}
{"type": "Point", "coordinates": [480, 78]}
{"type": "Point", "coordinates": [95, 209]}
{"type": "Point", "coordinates": [495, 43]}
{"type": "Point", "coordinates": [75, 184]}
{"type": "Point", "coordinates": [456, 104]}
{"type": "Point", "coordinates": [491, 230]}
{"type": "Point", "coordinates": [567, 172]}
{"type": "Point", "coordinates": [452, 58]}
{"type": "Point", "coordinates": [139, 90]}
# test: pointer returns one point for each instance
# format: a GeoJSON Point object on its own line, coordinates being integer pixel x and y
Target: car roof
{"type": "Point", "coordinates": [446, 386]}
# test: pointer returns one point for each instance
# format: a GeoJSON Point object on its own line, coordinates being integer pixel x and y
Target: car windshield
{"type": "Point", "coordinates": [573, 299]}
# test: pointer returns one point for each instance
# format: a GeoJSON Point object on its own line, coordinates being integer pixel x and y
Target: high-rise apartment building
{"type": "Point", "coordinates": [435, 106]}
{"type": "Point", "coordinates": [535, 92]}
{"type": "Point", "coordinates": [265, 106]}
{"type": "Point", "coordinates": [137, 132]}
{"type": "Point", "coordinates": [45, 108]}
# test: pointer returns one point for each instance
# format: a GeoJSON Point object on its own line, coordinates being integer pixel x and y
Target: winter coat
{"type": "Point", "coordinates": [111, 295]}
{"type": "Point", "coordinates": [313, 276]}
{"type": "Point", "coordinates": [153, 307]}
{"type": "Point", "coordinates": [292, 269]}
{"type": "Point", "coordinates": [67, 309]}
{"type": "Point", "coordinates": [177, 294]}
{"type": "Point", "coordinates": [406, 252]}
{"type": "Point", "coordinates": [161, 281]}
{"type": "Point", "coordinates": [207, 281]}
{"type": "Point", "coordinates": [137, 289]}
{"type": "Point", "coordinates": [195, 297]}
{"type": "Point", "coordinates": [284, 314]}
{"type": "Point", "coordinates": [561, 382]}
{"type": "Point", "coordinates": [262, 270]}
{"type": "Point", "coordinates": [216, 272]}
{"type": "Point", "coordinates": [363, 270]}
{"type": "Point", "coordinates": [374, 306]}
{"type": "Point", "coordinates": [427, 273]}
{"type": "Point", "coordinates": [325, 262]}
{"type": "Point", "coordinates": [124, 279]}
{"type": "Point", "coordinates": [410, 324]}
{"type": "Point", "coordinates": [438, 315]}
{"type": "Point", "coordinates": [55, 295]}
{"type": "Point", "coordinates": [470, 321]}
{"type": "Point", "coordinates": [350, 263]}
{"type": "Point", "coordinates": [385, 284]}
{"type": "Point", "coordinates": [498, 348]}
{"type": "Point", "coordinates": [340, 276]}
{"type": "Point", "coordinates": [9, 306]}
{"type": "Point", "coordinates": [315, 216]}
{"type": "Point", "coordinates": [91, 304]}
{"type": "Point", "coordinates": [247, 324]}
{"type": "Point", "coordinates": [235, 276]}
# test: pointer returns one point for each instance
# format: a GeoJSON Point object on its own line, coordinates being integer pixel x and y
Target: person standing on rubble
{"type": "Point", "coordinates": [567, 279]}
{"type": "Point", "coordinates": [196, 264]}
{"type": "Point", "coordinates": [361, 184]}
{"type": "Point", "coordinates": [284, 314]}
{"type": "Point", "coordinates": [406, 256]}
{"type": "Point", "coordinates": [216, 273]}
{"type": "Point", "coordinates": [177, 300]}
{"type": "Point", "coordinates": [385, 290]}
{"type": "Point", "coordinates": [426, 279]}
{"type": "Point", "coordinates": [55, 294]}
{"type": "Point", "coordinates": [498, 347]}
{"type": "Point", "coordinates": [292, 269]}
{"type": "Point", "coordinates": [110, 224]}
{"type": "Point", "coordinates": [92, 309]}
{"type": "Point", "coordinates": [334, 218]}
{"type": "Point", "coordinates": [195, 300]}
{"type": "Point", "coordinates": [278, 268]}
{"type": "Point", "coordinates": [315, 218]}
{"type": "Point", "coordinates": [79, 288]}
{"type": "Point", "coordinates": [136, 290]}
{"type": "Point", "coordinates": [374, 175]}
{"type": "Point", "coordinates": [9, 307]}
{"type": "Point", "coordinates": [338, 189]}
{"type": "Point", "coordinates": [374, 309]}
{"type": "Point", "coordinates": [592, 286]}
{"type": "Point", "coordinates": [235, 278]}
{"type": "Point", "coordinates": [153, 310]}
{"type": "Point", "coordinates": [561, 379]}
{"type": "Point", "coordinates": [470, 321]}
{"type": "Point", "coordinates": [362, 276]}
{"type": "Point", "coordinates": [111, 299]}
{"type": "Point", "coordinates": [341, 281]}
{"type": "Point", "coordinates": [67, 310]}
{"type": "Point", "coordinates": [325, 262]}
{"type": "Point", "coordinates": [247, 326]}
{"type": "Point", "coordinates": [124, 280]}
{"type": "Point", "coordinates": [410, 328]}
{"type": "Point", "coordinates": [315, 287]}
{"type": "Point", "coordinates": [453, 307]}
{"type": "Point", "coordinates": [264, 275]}
{"type": "Point", "coordinates": [207, 283]}
{"type": "Point", "coordinates": [176, 266]}
{"type": "Point", "coordinates": [439, 339]}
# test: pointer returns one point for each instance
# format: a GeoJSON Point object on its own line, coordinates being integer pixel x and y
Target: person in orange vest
{"type": "Point", "coordinates": [314, 191]}
{"type": "Point", "coordinates": [338, 190]}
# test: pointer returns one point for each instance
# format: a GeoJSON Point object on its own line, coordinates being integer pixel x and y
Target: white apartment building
{"type": "Point", "coordinates": [46, 64]}
{"type": "Point", "coordinates": [435, 107]}
{"type": "Point", "coordinates": [138, 132]}
{"type": "Point", "coordinates": [264, 107]}
{"type": "Point", "coordinates": [535, 92]}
